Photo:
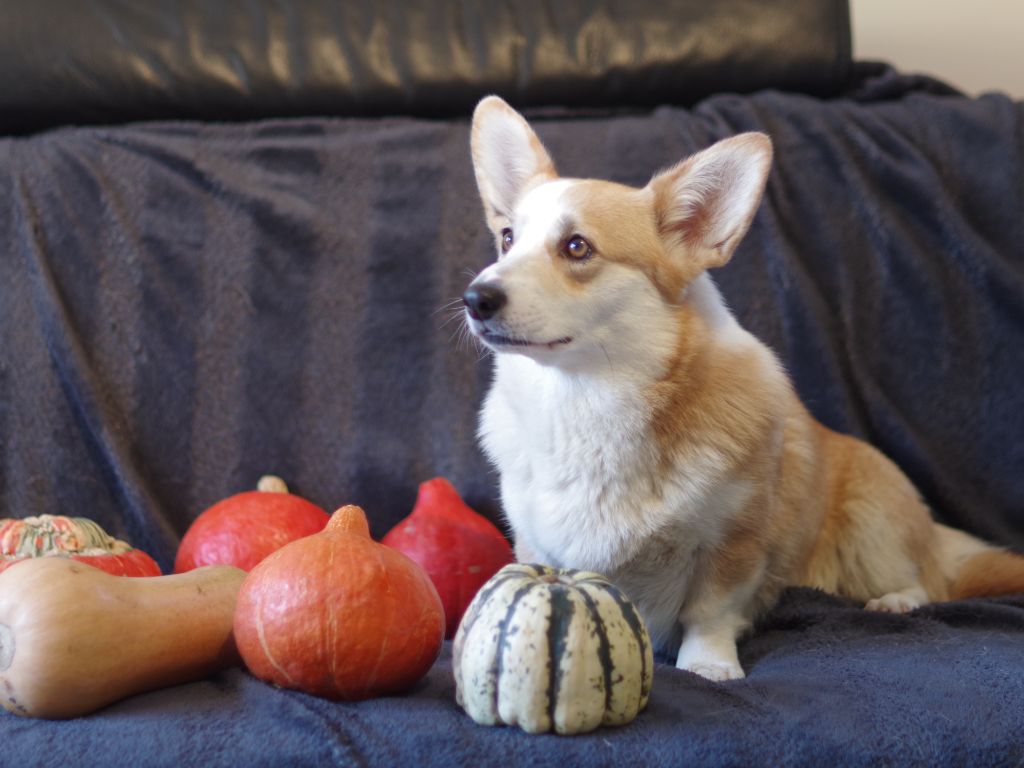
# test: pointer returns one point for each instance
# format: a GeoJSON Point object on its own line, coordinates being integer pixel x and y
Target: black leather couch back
{"type": "Point", "coordinates": [68, 61]}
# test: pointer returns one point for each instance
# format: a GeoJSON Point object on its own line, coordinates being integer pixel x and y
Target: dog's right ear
{"type": "Point", "coordinates": [705, 204]}
{"type": "Point", "coordinates": [508, 159]}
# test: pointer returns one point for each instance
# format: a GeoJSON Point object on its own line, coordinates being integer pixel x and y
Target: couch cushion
{"type": "Point", "coordinates": [65, 61]}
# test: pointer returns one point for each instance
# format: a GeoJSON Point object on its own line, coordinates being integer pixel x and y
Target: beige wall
{"type": "Point", "coordinates": [976, 45]}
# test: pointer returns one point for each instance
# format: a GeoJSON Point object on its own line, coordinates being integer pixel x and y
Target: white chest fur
{"type": "Point", "coordinates": [583, 486]}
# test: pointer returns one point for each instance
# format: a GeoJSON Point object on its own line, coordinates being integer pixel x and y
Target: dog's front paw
{"type": "Point", "coordinates": [894, 602]}
{"type": "Point", "coordinates": [712, 655]}
{"type": "Point", "coordinates": [717, 671]}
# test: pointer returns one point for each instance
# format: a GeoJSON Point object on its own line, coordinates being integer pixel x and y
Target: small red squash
{"type": "Point", "coordinates": [338, 615]}
{"type": "Point", "coordinates": [77, 538]}
{"type": "Point", "coordinates": [243, 529]}
{"type": "Point", "coordinates": [457, 547]}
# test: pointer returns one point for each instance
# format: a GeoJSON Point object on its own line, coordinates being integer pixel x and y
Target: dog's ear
{"type": "Point", "coordinates": [704, 205]}
{"type": "Point", "coordinates": [508, 158]}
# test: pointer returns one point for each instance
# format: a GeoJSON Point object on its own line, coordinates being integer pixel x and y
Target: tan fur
{"type": "Point", "coordinates": [869, 502]}
{"type": "Point", "coordinates": [724, 396]}
{"type": "Point", "coordinates": [618, 222]}
{"type": "Point", "coordinates": [989, 574]}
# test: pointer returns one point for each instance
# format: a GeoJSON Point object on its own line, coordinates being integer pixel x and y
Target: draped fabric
{"type": "Point", "coordinates": [828, 684]}
{"type": "Point", "coordinates": [184, 306]}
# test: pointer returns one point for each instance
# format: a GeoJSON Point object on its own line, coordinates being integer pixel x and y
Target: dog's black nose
{"type": "Point", "coordinates": [484, 301]}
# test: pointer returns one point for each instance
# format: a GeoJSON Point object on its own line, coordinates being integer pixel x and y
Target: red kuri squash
{"type": "Point", "coordinates": [338, 615]}
{"type": "Point", "coordinates": [457, 547]}
{"type": "Point", "coordinates": [243, 529]}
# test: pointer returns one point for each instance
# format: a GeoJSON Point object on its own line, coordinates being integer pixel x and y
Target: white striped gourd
{"type": "Point", "coordinates": [552, 650]}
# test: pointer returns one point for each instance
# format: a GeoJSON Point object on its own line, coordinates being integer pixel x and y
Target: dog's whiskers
{"type": "Point", "coordinates": [448, 305]}
{"type": "Point", "coordinates": [460, 337]}
{"type": "Point", "coordinates": [455, 315]}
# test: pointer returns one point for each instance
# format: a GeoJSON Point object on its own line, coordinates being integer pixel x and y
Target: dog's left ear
{"type": "Point", "coordinates": [704, 205]}
{"type": "Point", "coordinates": [508, 158]}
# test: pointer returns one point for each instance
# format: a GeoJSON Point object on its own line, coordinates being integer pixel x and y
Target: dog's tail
{"type": "Point", "coordinates": [974, 568]}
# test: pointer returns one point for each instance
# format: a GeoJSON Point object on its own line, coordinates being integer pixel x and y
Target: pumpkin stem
{"type": "Point", "coordinates": [271, 484]}
{"type": "Point", "coordinates": [349, 519]}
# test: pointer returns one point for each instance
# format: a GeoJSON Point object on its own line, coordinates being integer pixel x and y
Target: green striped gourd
{"type": "Point", "coordinates": [552, 650]}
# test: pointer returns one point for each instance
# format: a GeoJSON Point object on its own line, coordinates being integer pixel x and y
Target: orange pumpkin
{"type": "Point", "coordinates": [338, 615]}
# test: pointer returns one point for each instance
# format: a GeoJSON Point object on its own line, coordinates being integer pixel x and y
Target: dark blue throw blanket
{"type": "Point", "coordinates": [830, 685]}
{"type": "Point", "coordinates": [186, 306]}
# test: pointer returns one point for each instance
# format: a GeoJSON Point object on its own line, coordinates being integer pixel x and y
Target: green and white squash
{"type": "Point", "coordinates": [552, 650]}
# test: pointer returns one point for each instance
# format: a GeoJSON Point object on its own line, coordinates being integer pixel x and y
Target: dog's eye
{"type": "Point", "coordinates": [578, 249]}
{"type": "Point", "coordinates": [506, 239]}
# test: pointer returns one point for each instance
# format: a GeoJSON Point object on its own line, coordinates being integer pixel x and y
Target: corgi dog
{"type": "Point", "coordinates": [640, 432]}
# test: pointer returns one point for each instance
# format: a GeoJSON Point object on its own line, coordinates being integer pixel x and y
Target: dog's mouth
{"type": "Point", "coordinates": [498, 340]}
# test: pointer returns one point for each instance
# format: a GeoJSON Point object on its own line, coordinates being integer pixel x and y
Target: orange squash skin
{"type": "Point", "coordinates": [339, 616]}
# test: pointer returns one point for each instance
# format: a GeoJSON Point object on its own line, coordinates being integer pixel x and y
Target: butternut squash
{"type": "Point", "coordinates": [74, 639]}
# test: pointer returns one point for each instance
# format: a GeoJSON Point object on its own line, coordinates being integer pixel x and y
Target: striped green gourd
{"type": "Point", "coordinates": [552, 650]}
